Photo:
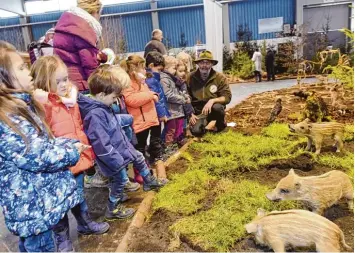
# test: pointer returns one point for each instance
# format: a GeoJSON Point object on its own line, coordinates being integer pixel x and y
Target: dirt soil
{"type": "Point", "coordinates": [155, 234]}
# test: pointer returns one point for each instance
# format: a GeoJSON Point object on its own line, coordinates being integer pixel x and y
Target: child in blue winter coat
{"type": "Point", "coordinates": [36, 187]}
{"type": "Point", "coordinates": [112, 148]}
{"type": "Point", "coordinates": [155, 64]}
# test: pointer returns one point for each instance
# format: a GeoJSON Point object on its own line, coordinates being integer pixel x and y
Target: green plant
{"type": "Point", "coordinates": [295, 116]}
{"type": "Point", "coordinates": [242, 65]}
{"type": "Point", "coordinates": [185, 193]}
{"type": "Point", "coordinates": [338, 162]}
{"type": "Point", "coordinates": [349, 132]}
{"type": "Point", "coordinates": [343, 71]}
{"type": "Point", "coordinates": [276, 130]}
{"type": "Point", "coordinates": [232, 152]}
{"type": "Point", "coordinates": [221, 226]}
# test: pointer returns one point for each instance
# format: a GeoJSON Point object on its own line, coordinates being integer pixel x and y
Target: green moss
{"type": "Point", "coordinates": [349, 132]}
{"type": "Point", "coordinates": [232, 152]}
{"type": "Point", "coordinates": [276, 130]}
{"type": "Point", "coordinates": [185, 193]}
{"type": "Point", "coordinates": [221, 226]}
{"type": "Point", "coordinates": [345, 161]}
{"type": "Point", "coordinates": [295, 116]}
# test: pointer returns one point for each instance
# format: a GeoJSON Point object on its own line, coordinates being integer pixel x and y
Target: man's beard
{"type": "Point", "coordinates": [205, 73]}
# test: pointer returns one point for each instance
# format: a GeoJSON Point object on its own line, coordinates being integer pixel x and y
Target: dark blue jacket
{"type": "Point", "coordinates": [155, 86]}
{"type": "Point", "coordinates": [112, 148]}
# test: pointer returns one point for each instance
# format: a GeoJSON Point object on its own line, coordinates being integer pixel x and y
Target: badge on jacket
{"type": "Point", "coordinates": [213, 88]}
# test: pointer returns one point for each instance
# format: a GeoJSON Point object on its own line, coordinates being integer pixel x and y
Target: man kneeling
{"type": "Point", "coordinates": [210, 93]}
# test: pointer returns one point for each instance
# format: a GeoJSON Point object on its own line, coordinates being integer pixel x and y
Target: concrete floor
{"type": "Point", "coordinates": [97, 197]}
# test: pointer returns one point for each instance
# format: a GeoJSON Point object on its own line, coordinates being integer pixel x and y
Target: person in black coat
{"type": "Point", "coordinates": [269, 62]}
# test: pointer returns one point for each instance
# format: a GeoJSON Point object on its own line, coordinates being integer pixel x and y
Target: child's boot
{"type": "Point", "coordinates": [86, 226]}
{"type": "Point", "coordinates": [137, 177]}
{"type": "Point", "coordinates": [116, 210]}
{"type": "Point", "coordinates": [96, 181]}
{"type": "Point", "coordinates": [131, 186]}
{"type": "Point", "coordinates": [152, 183]}
{"type": "Point", "coordinates": [61, 234]}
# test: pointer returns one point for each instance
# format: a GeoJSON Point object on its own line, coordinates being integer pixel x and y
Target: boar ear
{"type": "Point", "coordinates": [261, 212]}
{"type": "Point", "coordinates": [291, 172]}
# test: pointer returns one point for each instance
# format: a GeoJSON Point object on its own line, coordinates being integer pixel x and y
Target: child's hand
{"type": "Point", "coordinates": [193, 119]}
{"type": "Point", "coordinates": [156, 98]}
{"type": "Point", "coordinates": [163, 119]}
{"type": "Point", "coordinates": [41, 96]}
{"type": "Point", "coordinates": [81, 147]}
{"type": "Point", "coordinates": [187, 100]}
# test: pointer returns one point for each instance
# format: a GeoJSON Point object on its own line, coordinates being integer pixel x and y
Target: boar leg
{"type": "Point", "coordinates": [278, 246]}
{"type": "Point", "coordinates": [339, 142]}
{"type": "Point", "coordinates": [309, 144]}
{"type": "Point", "coordinates": [327, 247]}
{"type": "Point", "coordinates": [318, 142]}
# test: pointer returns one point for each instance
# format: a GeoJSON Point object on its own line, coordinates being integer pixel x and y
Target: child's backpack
{"type": "Point", "coordinates": [37, 49]}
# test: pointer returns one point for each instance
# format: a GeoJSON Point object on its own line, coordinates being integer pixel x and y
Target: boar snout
{"type": "Point", "coordinates": [271, 196]}
{"type": "Point", "coordinates": [292, 129]}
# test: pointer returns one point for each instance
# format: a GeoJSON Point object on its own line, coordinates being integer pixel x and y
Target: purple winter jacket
{"type": "Point", "coordinates": [75, 43]}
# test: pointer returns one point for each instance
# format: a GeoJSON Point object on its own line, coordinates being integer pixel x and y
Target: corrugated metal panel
{"type": "Point", "coordinates": [9, 21]}
{"type": "Point", "coordinates": [189, 21]}
{"type": "Point", "coordinates": [248, 12]}
{"type": "Point", "coordinates": [12, 35]}
{"type": "Point", "coordinates": [40, 30]}
{"type": "Point", "coordinates": [125, 8]}
{"type": "Point", "coordinates": [136, 29]}
{"type": "Point", "coordinates": [171, 3]}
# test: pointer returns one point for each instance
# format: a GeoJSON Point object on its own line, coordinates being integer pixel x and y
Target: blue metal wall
{"type": "Point", "coordinates": [248, 12]}
{"type": "Point", "coordinates": [12, 35]}
{"type": "Point", "coordinates": [189, 21]}
{"type": "Point", "coordinates": [137, 28]}
{"type": "Point", "coordinates": [40, 30]}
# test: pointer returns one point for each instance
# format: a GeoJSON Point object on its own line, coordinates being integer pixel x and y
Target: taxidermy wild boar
{"type": "Point", "coordinates": [319, 192]}
{"type": "Point", "coordinates": [317, 131]}
{"type": "Point", "coordinates": [298, 228]}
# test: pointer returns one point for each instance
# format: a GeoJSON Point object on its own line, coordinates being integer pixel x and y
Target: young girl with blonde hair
{"type": "Point", "coordinates": [50, 77]}
{"type": "Point", "coordinates": [175, 101]}
{"type": "Point", "coordinates": [37, 189]}
{"type": "Point", "coordinates": [140, 104]}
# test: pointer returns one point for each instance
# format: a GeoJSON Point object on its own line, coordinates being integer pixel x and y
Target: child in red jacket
{"type": "Point", "coordinates": [62, 113]}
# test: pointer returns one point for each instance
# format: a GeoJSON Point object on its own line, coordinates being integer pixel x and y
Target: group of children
{"type": "Point", "coordinates": [51, 134]}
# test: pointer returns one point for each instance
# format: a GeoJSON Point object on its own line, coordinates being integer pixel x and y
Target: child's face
{"type": "Point", "coordinates": [22, 79]}
{"type": "Point", "coordinates": [181, 72]}
{"type": "Point", "coordinates": [60, 84]}
{"type": "Point", "coordinates": [140, 73]}
{"type": "Point", "coordinates": [106, 99]}
{"type": "Point", "coordinates": [157, 69]}
{"type": "Point", "coordinates": [171, 69]}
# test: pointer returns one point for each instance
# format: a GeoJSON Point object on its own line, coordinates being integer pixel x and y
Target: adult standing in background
{"type": "Point", "coordinates": [269, 64]}
{"type": "Point", "coordinates": [155, 44]}
{"type": "Point", "coordinates": [77, 34]}
{"type": "Point", "coordinates": [257, 59]}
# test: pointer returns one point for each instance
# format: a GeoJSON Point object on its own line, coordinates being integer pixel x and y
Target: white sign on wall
{"type": "Point", "coordinates": [269, 25]}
